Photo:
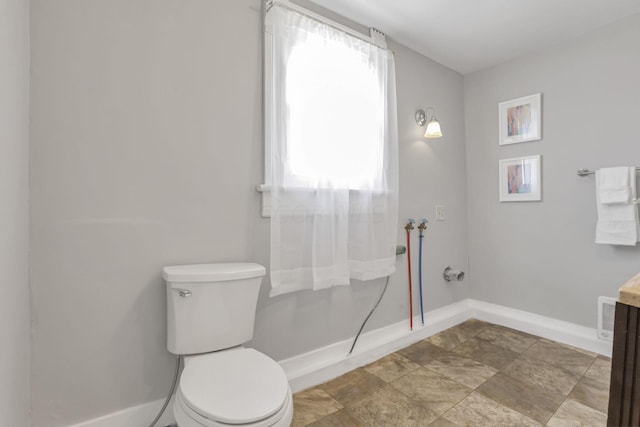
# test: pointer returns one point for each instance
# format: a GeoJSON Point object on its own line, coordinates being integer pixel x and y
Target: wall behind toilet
{"type": "Point", "coordinates": [146, 150]}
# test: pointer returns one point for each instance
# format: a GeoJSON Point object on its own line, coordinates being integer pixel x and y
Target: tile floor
{"type": "Point", "coordinates": [474, 374]}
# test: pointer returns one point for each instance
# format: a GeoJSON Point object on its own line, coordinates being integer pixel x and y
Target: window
{"type": "Point", "coordinates": [335, 117]}
{"type": "Point", "coordinates": [331, 152]}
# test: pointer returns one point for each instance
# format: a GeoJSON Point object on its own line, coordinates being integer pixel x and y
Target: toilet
{"type": "Point", "coordinates": [210, 314]}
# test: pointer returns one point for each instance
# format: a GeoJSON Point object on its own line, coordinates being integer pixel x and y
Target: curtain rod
{"type": "Point", "coordinates": [585, 172]}
{"type": "Point", "coordinates": [296, 8]}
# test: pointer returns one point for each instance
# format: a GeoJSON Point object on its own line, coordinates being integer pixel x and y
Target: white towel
{"type": "Point", "coordinates": [614, 185]}
{"type": "Point", "coordinates": [618, 224]}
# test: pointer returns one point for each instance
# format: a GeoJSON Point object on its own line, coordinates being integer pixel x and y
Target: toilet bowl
{"type": "Point", "coordinates": [237, 387]}
{"type": "Point", "coordinates": [210, 314]}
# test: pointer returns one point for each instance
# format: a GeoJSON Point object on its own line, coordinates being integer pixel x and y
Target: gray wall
{"type": "Point", "coordinates": [146, 149]}
{"type": "Point", "coordinates": [540, 256]}
{"type": "Point", "coordinates": [14, 212]}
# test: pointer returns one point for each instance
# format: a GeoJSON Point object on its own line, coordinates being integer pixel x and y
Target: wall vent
{"type": "Point", "coordinates": [606, 315]}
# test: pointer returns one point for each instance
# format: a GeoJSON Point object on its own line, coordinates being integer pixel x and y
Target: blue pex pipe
{"type": "Point", "coordinates": [420, 278]}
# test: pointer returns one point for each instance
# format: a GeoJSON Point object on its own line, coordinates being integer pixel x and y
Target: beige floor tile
{"type": "Point", "coordinates": [452, 337]}
{"type": "Point", "coordinates": [508, 338]}
{"type": "Point", "coordinates": [592, 393]}
{"type": "Point", "coordinates": [485, 352]}
{"type": "Point", "coordinates": [473, 326]}
{"type": "Point", "coordinates": [561, 355]}
{"type": "Point", "coordinates": [436, 392]}
{"type": "Point", "coordinates": [391, 367]}
{"type": "Point", "coordinates": [526, 398]}
{"type": "Point", "coordinates": [423, 352]}
{"type": "Point", "coordinates": [572, 413]}
{"type": "Point", "coordinates": [465, 371]}
{"type": "Point", "coordinates": [341, 418]}
{"type": "Point", "coordinates": [600, 370]}
{"type": "Point", "coordinates": [352, 386]}
{"type": "Point", "coordinates": [443, 422]}
{"type": "Point", "coordinates": [311, 405]}
{"type": "Point", "coordinates": [389, 407]}
{"type": "Point", "coordinates": [477, 410]}
{"type": "Point", "coordinates": [579, 350]}
{"type": "Point", "coordinates": [549, 377]}
{"type": "Point", "coordinates": [474, 374]}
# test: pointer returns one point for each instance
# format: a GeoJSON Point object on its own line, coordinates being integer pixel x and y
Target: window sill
{"type": "Point", "coordinates": [265, 190]}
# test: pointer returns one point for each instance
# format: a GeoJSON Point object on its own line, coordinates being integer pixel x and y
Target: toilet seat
{"type": "Point", "coordinates": [186, 417]}
{"type": "Point", "coordinates": [233, 387]}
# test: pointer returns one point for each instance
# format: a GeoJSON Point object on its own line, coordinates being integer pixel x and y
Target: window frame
{"type": "Point", "coordinates": [375, 37]}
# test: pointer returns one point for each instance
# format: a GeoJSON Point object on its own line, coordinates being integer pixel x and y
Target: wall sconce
{"type": "Point", "coordinates": [433, 126]}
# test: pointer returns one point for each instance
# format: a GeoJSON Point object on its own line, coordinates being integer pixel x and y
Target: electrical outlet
{"type": "Point", "coordinates": [441, 214]}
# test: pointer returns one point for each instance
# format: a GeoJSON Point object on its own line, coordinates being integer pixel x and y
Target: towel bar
{"type": "Point", "coordinates": [585, 172]}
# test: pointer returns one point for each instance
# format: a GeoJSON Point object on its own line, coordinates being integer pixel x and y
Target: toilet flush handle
{"type": "Point", "coordinates": [184, 293]}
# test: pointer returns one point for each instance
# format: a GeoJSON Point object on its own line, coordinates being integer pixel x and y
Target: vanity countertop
{"type": "Point", "coordinates": [630, 292]}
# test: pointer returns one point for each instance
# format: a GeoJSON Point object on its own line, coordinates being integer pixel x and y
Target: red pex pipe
{"type": "Point", "coordinates": [409, 267]}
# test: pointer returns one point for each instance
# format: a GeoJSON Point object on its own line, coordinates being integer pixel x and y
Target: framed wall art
{"type": "Point", "coordinates": [520, 179]}
{"type": "Point", "coordinates": [520, 119]}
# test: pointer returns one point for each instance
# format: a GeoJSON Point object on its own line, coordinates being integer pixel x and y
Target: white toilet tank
{"type": "Point", "coordinates": [211, 306]}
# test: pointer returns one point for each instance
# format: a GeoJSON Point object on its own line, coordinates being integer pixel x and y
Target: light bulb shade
{"type": "Point", "coordinates": [433, 129]}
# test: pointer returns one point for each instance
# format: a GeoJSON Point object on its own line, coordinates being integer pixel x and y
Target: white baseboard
{"type": "Point", "coordinates": [542, 326]}
{"type": "Point", "coordinates": [323, 364]}
{"type": "Point", "coordinates": [135, 416]}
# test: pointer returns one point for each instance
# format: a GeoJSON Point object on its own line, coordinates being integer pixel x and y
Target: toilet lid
{"type": "Point", "coordinates": [235, 386]}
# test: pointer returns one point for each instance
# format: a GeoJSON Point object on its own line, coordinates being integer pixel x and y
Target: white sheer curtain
{"type": "Point", "coordinates": [334, 168]}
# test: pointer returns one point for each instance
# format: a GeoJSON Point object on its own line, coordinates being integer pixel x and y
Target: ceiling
{"type": "Point", "coordinates": [469, 35]}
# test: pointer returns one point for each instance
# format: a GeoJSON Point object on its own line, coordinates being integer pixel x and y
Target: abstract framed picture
{"type": "Point", "coordinates": [520, 120]}
{"type": "Point", "coordinates": [520, 179]}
